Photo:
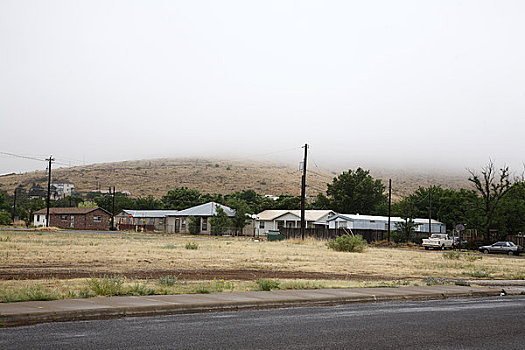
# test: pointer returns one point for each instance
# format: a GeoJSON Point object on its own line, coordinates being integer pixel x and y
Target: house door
{"type": "Point", "coordinates": [72, 223]}
{"type": "Point", "coordinates": [177, 225]}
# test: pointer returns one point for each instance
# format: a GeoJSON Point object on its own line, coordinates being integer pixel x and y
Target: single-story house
{"type": "Point", "coordinates": [149, 220]}
{"type": "Point", "coordinates": [178, 222]}
{"type": "Point", "coordinates": [380, 223]}
{"type": "Point", "coordinates": [277, 219]}
{"type": "Point", "coordinates": [77, 218]}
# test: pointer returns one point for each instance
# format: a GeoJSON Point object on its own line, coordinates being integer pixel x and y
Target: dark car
{"type": "Point", "coordinates": [502, 247]}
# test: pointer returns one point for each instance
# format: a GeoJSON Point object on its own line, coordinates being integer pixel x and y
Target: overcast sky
{"type": "Point", "coordinates": [437, 84]}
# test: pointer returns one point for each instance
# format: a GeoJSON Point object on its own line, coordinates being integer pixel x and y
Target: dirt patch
{"type": "Point", "coordinates": [240, 275]}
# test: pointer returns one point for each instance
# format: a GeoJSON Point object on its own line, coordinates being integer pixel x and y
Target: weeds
{"type": "Point", "coordinates": [168, 281]}
{"type": "Point", "coordinates": [478, 274]}
{"type": "Point", "coordinates": [192, 245]}
{"type": "Point", "coordinates": [267, 284]}
{"type": "Point", "coordinates": [473, 257]}
{"type": "Point", "coordinates": [202, 289]}
{"type": "Point", "coordinates": [139, 289]}
{"type": "Point", "coordinates": [5, 239]}
{"type": "Point", "coordinates": [347, 243]}
{"type": "Point", "coordinates": [31, 293]}
{"type": "Point", "coordinates": [107, 286]}
{"type": "Point", "coordinates": [452, 255]}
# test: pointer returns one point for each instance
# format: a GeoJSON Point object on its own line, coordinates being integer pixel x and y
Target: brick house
{"type": "Point", "coordinates": [77, 218]}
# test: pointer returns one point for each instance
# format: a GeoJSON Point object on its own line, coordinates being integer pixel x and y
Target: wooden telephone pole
{"type": "Point", "coordinates": [303, 191]}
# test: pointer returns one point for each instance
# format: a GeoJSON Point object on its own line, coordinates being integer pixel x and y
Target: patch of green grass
{"type": "Point", "coordinates": [222, 285]}
{"type": "Point", "coordinates": [478, 274]}
{"type": "Point", "coordinates": [300, 285]}
{"type": "Point", "coordinates": [139, 289]}
{"type": "Point", "coordinates": [31, 293]}
{"type": "Point", "coordinates": [473, 257]}
{"type": "Point", "coordinates": [451, 255]}
{"type": "Point", "coordinates": [267, 284]}
{"type": "Point", "coordinates": [168, 281]}
{"type": "Point", "coordinates": [107, 286]}
{"type": "Point", "coordinates": [192, 245]}
{"type": "Point", "coordinates": [202, 289]}
{"type": "Point", "coordinates": [434, 281]}
{"type": "Point", "coordinates": [169, 246]}
{"type": "Point", "coordinates": [5, 239]}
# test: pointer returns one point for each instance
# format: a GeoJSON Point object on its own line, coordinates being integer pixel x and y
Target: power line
{"type": "Point", "coordinates": [33, 158]}
{"type": "Point", "coordinates": [20, 156]}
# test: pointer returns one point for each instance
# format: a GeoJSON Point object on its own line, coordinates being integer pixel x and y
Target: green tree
{"type": "Point", "coordinates": [492, 186]}
{"type": "Point", "coordinates": [356, 192]}
{"type": "Point", "coordinates": [240, 220]}
{"type": "Point", "coordinates": [194, 225]}
{"type": "Point", "coordinates": [181, 198]}
{"type": "Point", "coordinates": [3, 201]}
{"type": "Point", "coordinates": [122, 201]}
{"type": "Point", "coordinates": [220, 222]}
{"type": "Point", "coordinates": [147, 203]}
{"type": "Point", "coordinates": [510, 214]}
{"type": "Point", "coordinates": [448, 206]}
{"type": "Point", "coordinates": [69, 201]}
{"type": "Point", "coordinates": [405, 230]}
{"type": "Point", "coordinates": [5, 217]}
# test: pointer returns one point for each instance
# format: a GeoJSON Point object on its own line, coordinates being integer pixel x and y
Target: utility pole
{"type": "Point", "coordinates": [112, 208]}
{"type": "Point", "coordinates": [14, 206]}
{"type": "Point", "coordinates": [50, 159]}
{"type": "Point", "coordinates": [303, 191]}
{"type": "Point", "coordinates": [429, 212]}
{"type": "Point", "coordinates": [389, 205]}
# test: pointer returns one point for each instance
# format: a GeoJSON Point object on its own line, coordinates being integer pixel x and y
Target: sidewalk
{"type": "Point", "coordinates": [33, 312]}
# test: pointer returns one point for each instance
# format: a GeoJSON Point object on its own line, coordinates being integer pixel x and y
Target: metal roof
{"type": "Point", "coordinates": [353, 217]}
{"type": "Point", "coordinates": [310, 215]}
{"type": "Point", "coordinates": [148, 213]}
{"type": "Point", "coordinates": [206, 209]}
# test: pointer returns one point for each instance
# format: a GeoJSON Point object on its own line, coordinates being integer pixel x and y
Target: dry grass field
{"type": "Point", "coordinates": [157, 176]}
{"type": "Point", "coordinates": [40, 265]}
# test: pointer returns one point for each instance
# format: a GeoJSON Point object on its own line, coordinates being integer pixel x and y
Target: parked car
{"type": "Point", "coordinates": [438, 241]}
{"type": "Point", "coordinates": [502, 247]}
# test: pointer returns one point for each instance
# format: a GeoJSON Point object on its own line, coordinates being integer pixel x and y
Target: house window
{"type": "Point", "coordinates": [38, 218]}
{"type": "Point", "coordinates": [204, 224]}
{"type": "Point", "coordinates": [183, 224]}
{"type": "Point", "coordinates": [97, 218]}
{"type": "Point", "coordinates": [64, 217]}
{"type": "Point", "coordinates": [261, 224]}
{"type": "Point", "coordinates": [280, 224]}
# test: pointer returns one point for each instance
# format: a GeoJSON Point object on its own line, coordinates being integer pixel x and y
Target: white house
{"type": "Point", "coordinates": [277, 219]}
{"type": "Point", "coordinates": [380, 223]}
{"type": "Point", "coordinates": [39, 220]}
{"type": "Point", "coordinates": [62, 189]}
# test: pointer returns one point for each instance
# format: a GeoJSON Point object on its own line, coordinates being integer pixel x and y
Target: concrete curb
{"type": "Point", "coordinates": [34, 312]}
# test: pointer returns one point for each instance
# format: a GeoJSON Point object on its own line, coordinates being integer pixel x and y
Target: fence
{"type": "Point", "coordinates": [136, 227]}
{"type": "Point", "coordinates": [519, 240]}
{"type": "Point", "coordinates": [331, 233]}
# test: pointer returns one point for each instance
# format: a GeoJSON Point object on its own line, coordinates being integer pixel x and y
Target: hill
{"type": "Point", "coordinates": [157, 176]}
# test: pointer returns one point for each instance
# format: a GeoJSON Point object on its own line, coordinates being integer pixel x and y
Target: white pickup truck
{"type": "Point", "coordinates": [438, 241]}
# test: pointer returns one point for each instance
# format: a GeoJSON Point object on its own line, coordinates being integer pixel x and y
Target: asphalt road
{"type": "Point", "coordinates": [488, 323]}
